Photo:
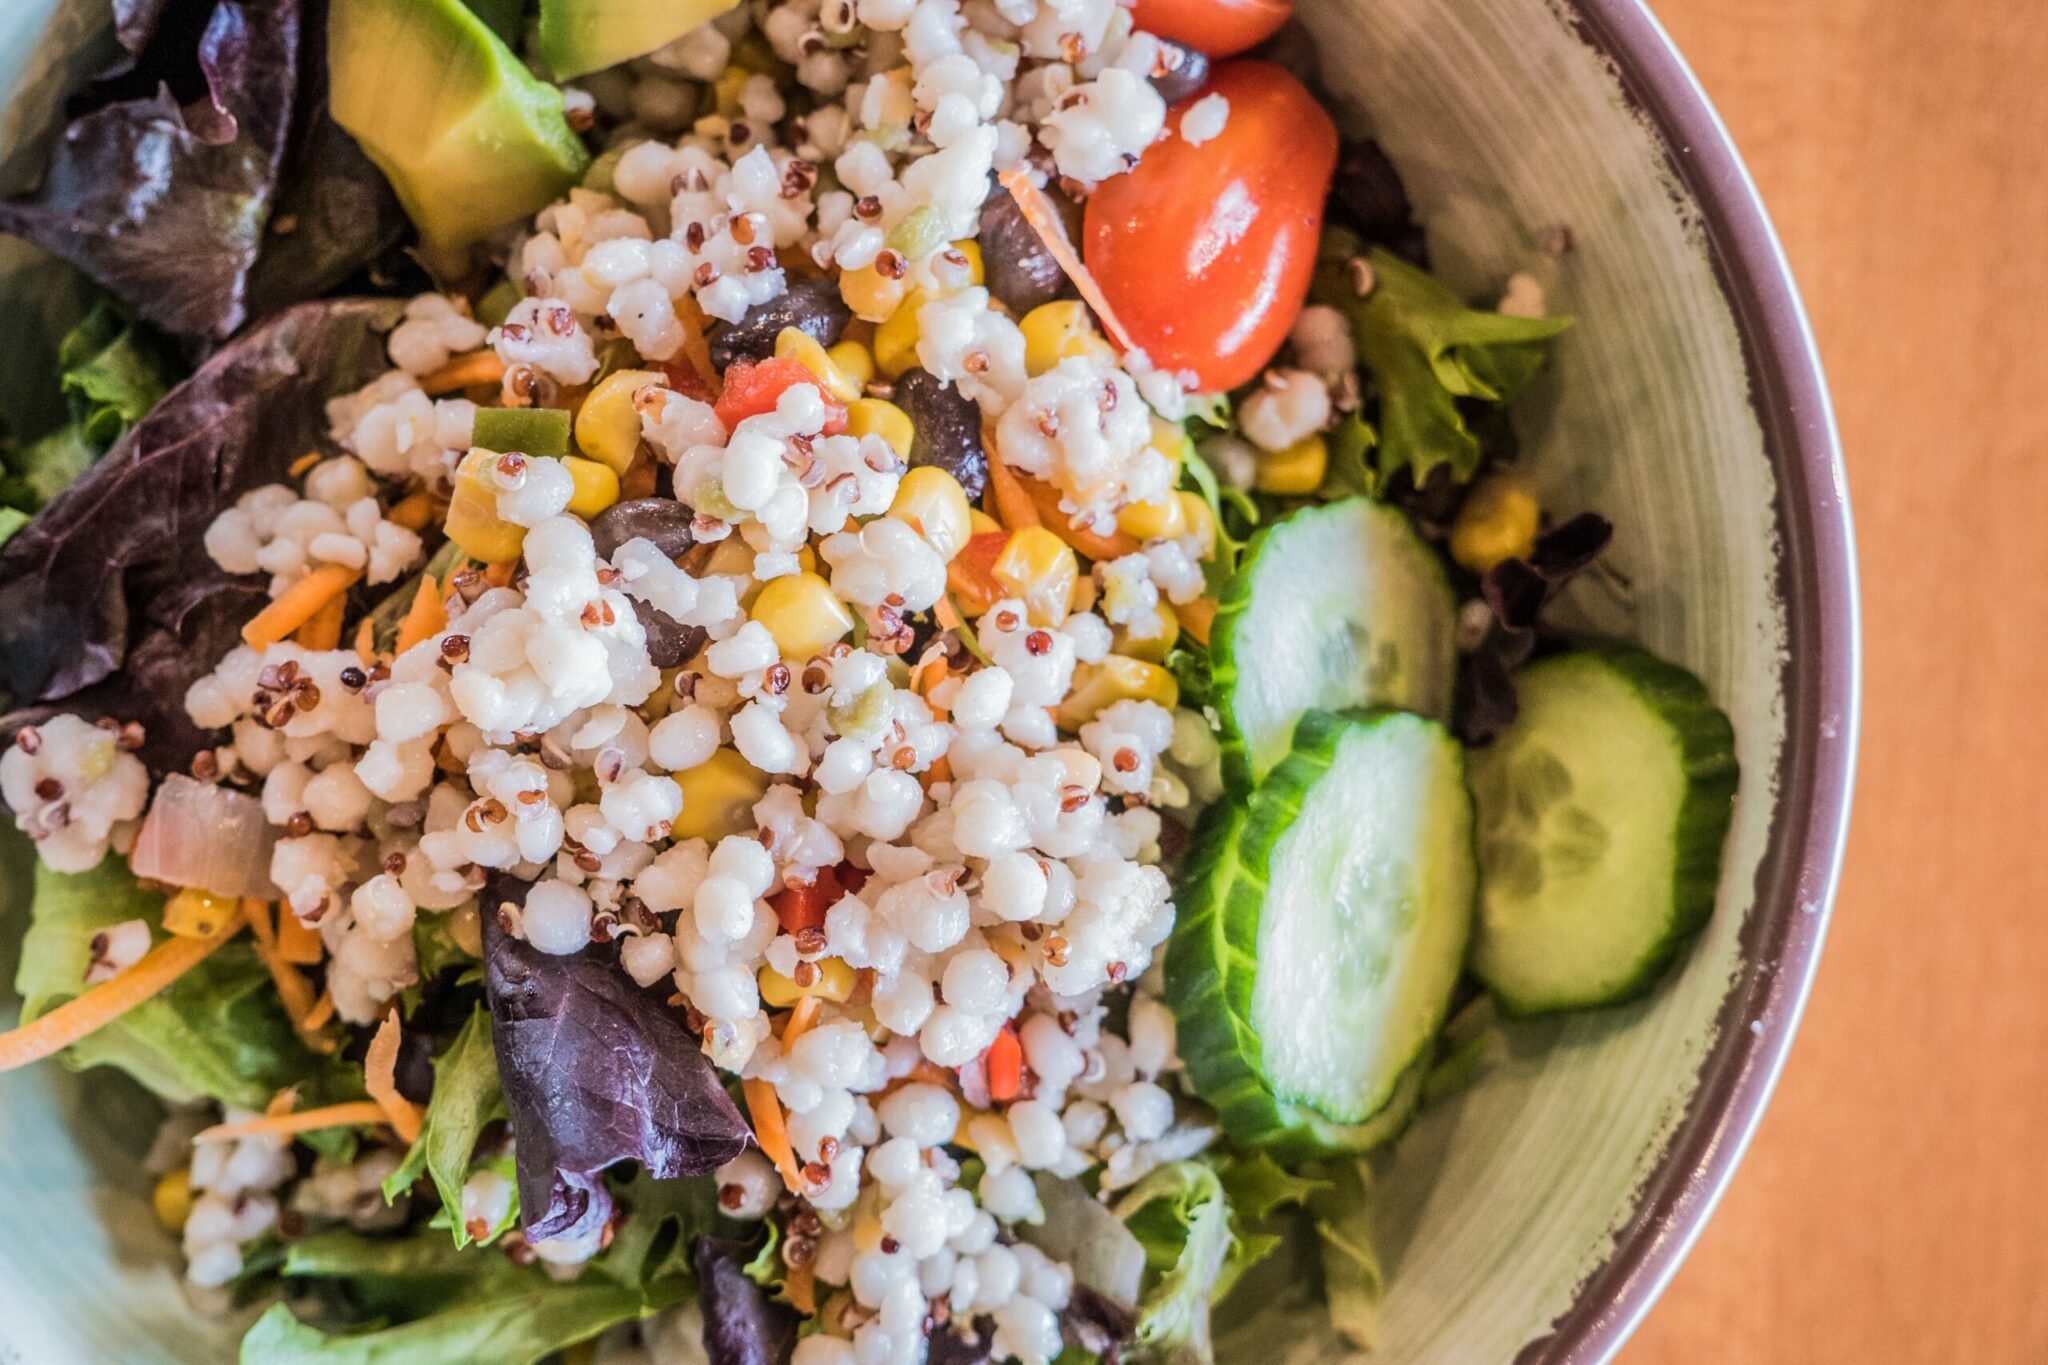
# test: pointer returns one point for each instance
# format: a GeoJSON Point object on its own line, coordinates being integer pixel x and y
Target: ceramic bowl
{"type": "Point", "coordinates": [1537, 1216]}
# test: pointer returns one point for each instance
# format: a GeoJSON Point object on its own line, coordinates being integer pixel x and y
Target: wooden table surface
{"type": "Point", "coordinates": [1895, 1205]}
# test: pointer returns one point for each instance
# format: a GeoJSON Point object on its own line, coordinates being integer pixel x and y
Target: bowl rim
{"type": "Point", "coordinates": [1821, 676]}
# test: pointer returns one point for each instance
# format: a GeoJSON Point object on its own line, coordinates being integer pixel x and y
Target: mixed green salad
{"type": "Point", "coordinates": [827, 681]}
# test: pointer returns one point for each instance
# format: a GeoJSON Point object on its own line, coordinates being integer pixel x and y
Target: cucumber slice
{"type": "Point", "coordinates": [1322, 927]}
{"type": "Point", "coordinates": [1602, 811]}
{"type": "Point", "coordinates": [1336, 606]}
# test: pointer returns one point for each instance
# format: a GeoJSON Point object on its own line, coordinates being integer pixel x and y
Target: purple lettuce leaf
{"type": "Point", "coordinates": [596, 1071]}
{"type": "Point", "coordinates": [166, 205]}
{"type": "Point", "coordinates": [1516, 591]}
{"type": "Point", "coordinates": [206, 184]}
{"type": "Point", "coordinates": [108, 601]}
{"type": "Point", "coordinates": [743, 1323]}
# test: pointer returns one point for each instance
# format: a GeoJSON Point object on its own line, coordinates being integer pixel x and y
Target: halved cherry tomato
{"type": "Point", "coordinates": [752, 387]}
{"type": "Point", "coordinates": [1205, 252]}
{"type": "Point", "coordinates": [1215, 28]}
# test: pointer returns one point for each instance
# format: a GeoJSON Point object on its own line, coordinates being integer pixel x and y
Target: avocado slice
{"type": "Point", "coordinates": [578, 36]}
{"type": "Point", "coordinates": [469, 138]}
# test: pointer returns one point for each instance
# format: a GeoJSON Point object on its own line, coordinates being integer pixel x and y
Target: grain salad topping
{"type": "Point", "coordinates": [737, 760]}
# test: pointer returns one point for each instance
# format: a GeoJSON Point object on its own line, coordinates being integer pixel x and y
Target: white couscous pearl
{"type": "Point", "coordinates": [927, 1115]}
{"type": "Point", "coordinates": [557, 918]}
{"type": "Point", "coordinates": [747, 1186]}
{"type": "Point", "coordinates": [1145, 1110]}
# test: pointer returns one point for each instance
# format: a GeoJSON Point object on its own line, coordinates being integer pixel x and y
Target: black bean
{"type": "Point", "coordinates": [1187, 71]}
{"type": "Point", "coordinates": [664, 521]}
{"type": "Point", "coordinates": [668, 644]}
{"type": "Point", "coordinates": [812, 306]}
{"type": "Point", "coordinates": [1368, 197]}
{"type": "Point", "coordinates": [947, 429]}
{"type": "Point", "coordinates": [1016, 265]}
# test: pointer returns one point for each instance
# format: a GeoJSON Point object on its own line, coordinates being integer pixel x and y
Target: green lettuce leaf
{"type": "Point", "coordinates": [515, 1317]}
{"type": "Point", "coordinates": [1256, 1187]}
{"type": "Point", "coordinates": [1353, 1282]}
{"type": "Point", "coordinates": [1181, 1216]}
{"type": "Point", "coordinates": [112, 374]}
{"type": "Point", "coordinates": [466, 1096]}
{"type": "Point", "coordinates": [217, 1032]}
{"type": "Point", "coordinates": [1428, 353]}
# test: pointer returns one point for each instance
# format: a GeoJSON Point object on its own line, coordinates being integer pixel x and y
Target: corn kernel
{"type": "Point", "coordinates": [172, 1199]}
{"type": "Point", "coordinates": [981, 523]}
{"type": "Point", "coordinates": [800, 611]}
{"type": "Point", "coordinates": [1117, 678]}
{"type": "Point", "coordinates": [793, 343]}
{"type": "Point", "coordinates": [1155, 647]}
{"type": "Point", "coordinates": [1152, 520]}
{"type": "Point", "coordinates": [1200, 520]}
{"type": "Point", "coordinates": [1056, 331]}
{"type": "Point", "coordinates": [833, 981]}
{"type": "Point", "coordinates": [896, 339]}
{"type": "Point", "coordinates": [473, 521]}
{"type": "Point", "coordinates": [726, 90]}
{"type": "Point", "coordinates": [956, 276]}
{"type": "Point", "coordinates": [608, 425]}
{"type": "Point", "coordinates": [730, 558]}
{"type": "Point", "coordinates": [1040, 568]}
{"type": "Point", "coordinates": [1497, 522]}
{"type": "Point", "coordinates": [596, 486]}
{"type": "Point", "coordinates": [718, 797]}
{"type": "Point", "coordinates": [1171, 440]}
{"type": "Point", "coordinates": [872, 296]}
{"type": "Point", "coordinates": [1294, 472]}
{"type": "Point", "coordinates": [935, 504]}
{"type": "Point", "coordinates": [855, 361]}
{"type": "Point", "coordinates": [193, 913]}
{"type": "Point", "coordinates": [877, 417]}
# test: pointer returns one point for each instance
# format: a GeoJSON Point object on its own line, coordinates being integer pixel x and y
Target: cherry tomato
{"type": "Point", "coordinates": [1205, 252]}
{"type": "Point", "coordinates": [752, 387]}
{"type": "Point", "coordinates": [1215, 28]}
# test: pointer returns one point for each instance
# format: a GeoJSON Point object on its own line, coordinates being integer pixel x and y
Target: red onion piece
{"type": "Point", "coordinates": [212, 838]}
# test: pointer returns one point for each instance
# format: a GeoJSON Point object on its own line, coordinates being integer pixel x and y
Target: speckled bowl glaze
{"type": "Point", "coordinates": [1536, 1217]}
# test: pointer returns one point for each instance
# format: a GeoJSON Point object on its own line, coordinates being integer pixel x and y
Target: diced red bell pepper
{"type": "Point", "coordinates": [972, 574]}
{"type": "Point", "coordinates": [804, 907]}
{"type": "Point", "coordinates": [753, 387]}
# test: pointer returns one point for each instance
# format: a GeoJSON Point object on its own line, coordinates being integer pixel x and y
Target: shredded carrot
{"type": "Point", "coordinates": [1005, 1060]}
{"type": "Point", "coordinates": [380, 1078]}
{"type": "Point", "coordinates": [1046, 499]}
{"type": "Point", "coordinates": [1045, 221]}
{"type": "Point", "coordinates": [292, 986]}
{"type": "Point", "coordinates": [283, 1102]}
{"type": "Point", "coordinates": [465, 372]}
{"type": "Point", "coordinates": [323, 629]}
{"type": "Point", "coordinates": [303, 463]}
{"type": "Point", "coordinates": [500, 575]}
{"type": "Point", "coordinates": [800, 1287]}
{"type": "Point", "coordinates": [1013, 505]}
{"type": "Point", "coordinates": [948, 614]}
{"type": "Point", "coordinates": [1197, 617]}
{"type": "Point", "coordinates": [803, 1016]}
{"type": "Point", "coordinates": [696, 349]}
{"type": "Point", "coordinates": [297, 942]}
{"type": "Point", "coordinates": [323, 1010]}
{"type": "Point", "coordinates": [940, 771]}
{"type": "Point", "coordinates": [415, 511]}
{"type": "Point", "coordinates": [108, 1001]}
{"type": "Point", "coordinates": [353, 1114]}
{"type": "Point", "coordinates": [426, 618]}
{"type": "Point", "coordinates": [770, 1131]}
{"type": "Point", "coordinates": [366, 641]}
{"type": "Point", "coordinates": [298, 604]}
